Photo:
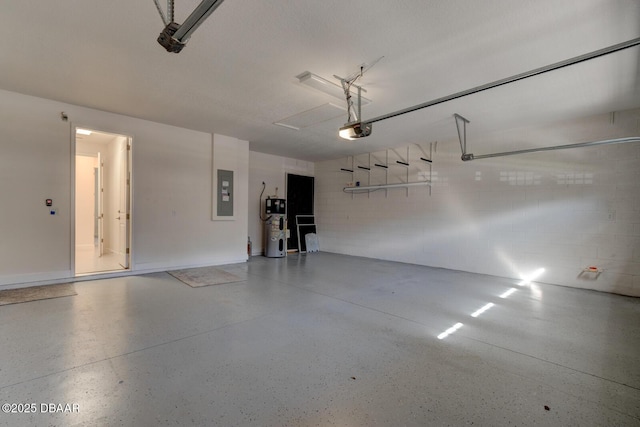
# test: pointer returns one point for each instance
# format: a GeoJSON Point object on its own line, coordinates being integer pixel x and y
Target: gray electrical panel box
{"type": "Point", "coordinates": [225, 193]}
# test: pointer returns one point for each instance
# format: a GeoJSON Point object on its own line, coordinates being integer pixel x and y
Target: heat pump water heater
{"type": "Point", "coordinates": [276, 228]}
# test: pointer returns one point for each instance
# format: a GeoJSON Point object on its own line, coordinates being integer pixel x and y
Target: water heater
{"type": "Point", "coordinates": [276, 228]}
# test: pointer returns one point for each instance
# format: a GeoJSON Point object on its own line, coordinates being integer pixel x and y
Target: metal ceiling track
{"type": "Point", "coordinates": [461, 125]}
{"type": "Point", "coordinates": [555, 66]}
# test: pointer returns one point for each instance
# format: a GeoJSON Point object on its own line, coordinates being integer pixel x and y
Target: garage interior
{"type": "Point", "coordinates": [479, 234]}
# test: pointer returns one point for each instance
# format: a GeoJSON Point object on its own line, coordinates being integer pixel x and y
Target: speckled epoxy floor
{"type": "Point", "coordinates": [323, 339]}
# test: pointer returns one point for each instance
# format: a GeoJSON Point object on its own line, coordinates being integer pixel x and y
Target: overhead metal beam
{"type": "Point", "coordinates": [470, 156]}
{"type": "Point", "coordinates": [461, 122]}
{"type": "Point", "coordinates": [551, 67]}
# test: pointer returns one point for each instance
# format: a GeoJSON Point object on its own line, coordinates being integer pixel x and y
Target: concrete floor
{"type": "Point", "coordinates": [322, 339]}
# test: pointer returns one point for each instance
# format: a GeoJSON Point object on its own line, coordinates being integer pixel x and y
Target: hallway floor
{"type": "Point", "coordinates": [323, 339]}
{"type": "Point", "coordinates": [89, 260]}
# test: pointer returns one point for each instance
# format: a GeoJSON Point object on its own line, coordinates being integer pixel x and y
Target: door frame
{"type": "Point", "coordinates": [126, 199]}
{"type": "Point", "coordinates": [100, 198]}
{"type": "Point", "coordinates": [72, 208]}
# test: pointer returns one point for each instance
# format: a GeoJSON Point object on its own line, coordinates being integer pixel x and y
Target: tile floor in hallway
{"type": "Point", "coordinates": [323, 339]}
{"type": "Point", "coordinates": [89, 260]}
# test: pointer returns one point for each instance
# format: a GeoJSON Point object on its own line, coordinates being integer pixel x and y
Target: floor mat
{"type": "Point", "coordinates": [35, 293]}
{"type": "Point", "coordinates": [205, 276]}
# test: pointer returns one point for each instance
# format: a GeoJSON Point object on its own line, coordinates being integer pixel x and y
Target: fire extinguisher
{"type": "Point", "coordinates": [249, 246]}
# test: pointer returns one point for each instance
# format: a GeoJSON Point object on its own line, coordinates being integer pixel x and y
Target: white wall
{"type": "Point", "coordinates": [85, 197]}
{"type": "Point", "coordinates": [35, 165]}
{"type": "Point", "coordinates": [172, 190]}
{"type": "Point", "coordinates": [272, 171]}
{"type": "Point", "coordinates": [232, 154]}
{"type": "Point", "coordinates": [562, 210]}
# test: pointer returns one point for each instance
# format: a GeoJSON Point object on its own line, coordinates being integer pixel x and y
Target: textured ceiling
{"type": "Point", "coordinates": [236, 76]}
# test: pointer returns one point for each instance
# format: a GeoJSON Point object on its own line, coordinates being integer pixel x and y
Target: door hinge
{"type": "Point", "coordinates": [127, 251]}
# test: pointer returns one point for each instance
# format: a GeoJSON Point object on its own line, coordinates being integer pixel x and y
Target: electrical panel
{"type": "Point", "coordinates": [275, 206]}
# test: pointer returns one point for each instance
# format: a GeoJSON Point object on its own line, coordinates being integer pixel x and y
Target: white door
{"type": "Point", "coordinates": [123, 211]}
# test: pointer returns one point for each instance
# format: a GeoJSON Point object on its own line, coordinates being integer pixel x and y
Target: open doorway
{"type": "Point", "coordinates": [300, 194]}
{"type": "Point", "coordinates": [102, 202]}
